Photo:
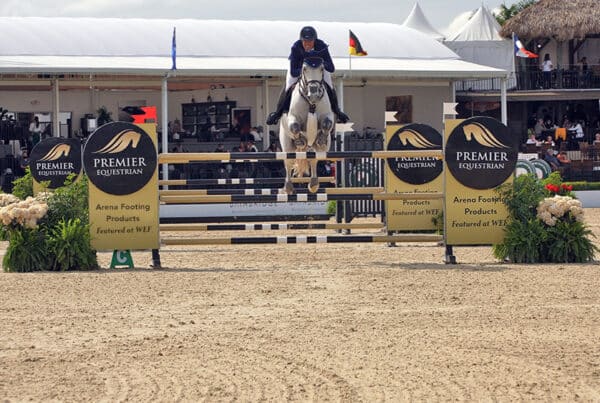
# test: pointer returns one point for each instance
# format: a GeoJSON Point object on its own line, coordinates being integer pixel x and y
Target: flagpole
{"type": "Point", "coordinates": [514, 57]}
{"type": "Point", "coordinates": [350, 65]}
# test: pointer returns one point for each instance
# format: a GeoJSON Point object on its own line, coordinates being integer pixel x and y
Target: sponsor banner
{"type": "Point", "coordinates": [121, 162]}
{"type": "Point", "coordinates": [413, 175]}
{"type": "Point", "coordinates": [53, 160]}
{"type": "Point", "coordinates": [480, 155]}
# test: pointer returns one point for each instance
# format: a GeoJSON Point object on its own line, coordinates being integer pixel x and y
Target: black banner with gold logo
{"type": "Point", "coordinates": [121, 162]}
{"type": "Point", "coordinates": [417, 175]}
{"type": "Point", "coordinates": [480, 155]}
{"type": "Point", "coordinates": [54, 159]}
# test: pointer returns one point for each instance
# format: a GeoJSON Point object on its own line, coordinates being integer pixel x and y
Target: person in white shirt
{"type": "Point", "coordinates": [576, 127]}
{"type": "Point", "coordinates": [532, 140]}
{"type": "Point", "coordinates": [547, 68]}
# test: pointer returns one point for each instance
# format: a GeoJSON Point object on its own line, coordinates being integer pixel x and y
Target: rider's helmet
{"type": "Point", "coordinates": [308, 34]}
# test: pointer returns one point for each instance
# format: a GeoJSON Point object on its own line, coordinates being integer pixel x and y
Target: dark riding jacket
{"type": "Point", "coordinates": [298, 54]}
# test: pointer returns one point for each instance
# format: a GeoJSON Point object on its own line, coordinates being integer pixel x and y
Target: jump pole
{"type": "Point", "coordinates": [304, 239]}
{"type": "Point", "coordinates": [267, 227]}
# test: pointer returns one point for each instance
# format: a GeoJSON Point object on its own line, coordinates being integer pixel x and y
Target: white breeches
{"type": "Point", "coordinates": [290, 80]}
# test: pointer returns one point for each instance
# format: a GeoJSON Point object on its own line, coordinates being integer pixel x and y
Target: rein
{"type": "Point", "coordinates": [304, 84]}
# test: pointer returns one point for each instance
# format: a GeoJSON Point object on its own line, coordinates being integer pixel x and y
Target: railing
{"type": "Point", "coordinates": [536, 80]}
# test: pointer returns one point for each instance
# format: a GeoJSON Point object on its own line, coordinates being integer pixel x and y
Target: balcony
{"type": "Point", "coordinates": [537, 81]}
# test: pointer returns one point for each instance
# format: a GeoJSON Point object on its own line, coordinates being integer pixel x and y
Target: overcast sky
{"type": "Point", "coordinates": [441, 13]}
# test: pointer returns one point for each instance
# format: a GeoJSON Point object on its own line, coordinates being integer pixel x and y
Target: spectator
{"type": "Point", "coordinates": [549, 141]}
{"type": "Point", "coordinates": [539, 127]}
{"type": "Point", "coordinates": [35, 131]}
{"type": "Point", "coordinates": [255, 134]}
{"type": "Point", "coordinates": [274, 147]}
{"type": "Point", "coordinates": [532, 139]}
{"type": "Point", "coordinates": [596, 139]}
{"type": "Point", "coordinates": [251, 147]}
{"type": "Point", "coordinates": [23, 161]}
{"type": "Point", "coordinates": [576, 127]}
{"type": "Point", "coordinates": [563, 158]}
{"type": "Point", "coordinates": [551, 159]}
{"type": "Point", "coordinates": [547, 68]}
{"type": "Point", "coordinates": [7, 181]}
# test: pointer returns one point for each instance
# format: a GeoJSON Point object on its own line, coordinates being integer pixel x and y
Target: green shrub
{"type": "Point", "coordinates": [331, 207]}
{"type": "Point", "coordinates": [23, 186]}
{"type": "Point", "coordinates": [26, 251]}
{"type": "Point", "coordinates": [522, 197]}
{"type": "Point", "coordinates": [69, 246]}
{"type": "Point", "coordinates": [69, 202]}
{"type": "Point", "coordinates": [543, 226]}
{"type": "Point", "coordinates": [61, 241]}
{"type": "Point", "coordinates": [583, 185]}
{"type": "Point", "coordinates": [568, 241]}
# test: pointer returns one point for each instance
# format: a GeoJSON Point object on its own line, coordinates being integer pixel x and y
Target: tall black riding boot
{"type": "Point", "coordinates": [283, 104]}
{"type": "Point", "coordinates": [335, 106]}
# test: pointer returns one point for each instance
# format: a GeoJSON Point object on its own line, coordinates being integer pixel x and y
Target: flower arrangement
{"type": "Point", "coordinates": [49, 231]}
{"type": "Point", "coordinates": [546, 223]}
{"type": "Point", "coordinates": [23, 213]}
{"type": "Point", "coordinates": [7, 198]}
{"type": "Point", "coordinates": [552, 209]}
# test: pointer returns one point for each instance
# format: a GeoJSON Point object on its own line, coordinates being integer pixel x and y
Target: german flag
{"type": "Point", "coordinates": [355, 47]}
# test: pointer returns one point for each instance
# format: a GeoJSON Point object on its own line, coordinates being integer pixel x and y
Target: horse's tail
{"type": "Point", "coordinates": [301, 167]}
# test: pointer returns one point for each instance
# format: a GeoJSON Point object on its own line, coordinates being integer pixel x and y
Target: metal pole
{"type": "Point", "coordinates": [55, 108]}
{"type": "Point", "coordinates": [503, 104]}
{"type": "Point", "coordinates": [165, 124]}
{"type": "Point", "coordinates": [265, 111]}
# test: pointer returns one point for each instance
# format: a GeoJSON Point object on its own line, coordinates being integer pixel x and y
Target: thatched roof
{"type": "Point", "coordinates": [559, 19]}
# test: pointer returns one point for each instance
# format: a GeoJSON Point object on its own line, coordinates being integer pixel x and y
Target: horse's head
{"type": "Point", "coordinates": [311, 81]}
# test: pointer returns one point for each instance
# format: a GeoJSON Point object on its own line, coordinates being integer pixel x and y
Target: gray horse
{"type": "Point", "coordinates": [308, 124]}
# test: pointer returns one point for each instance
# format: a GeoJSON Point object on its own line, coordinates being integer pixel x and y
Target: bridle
{"type": "Point", "coordinates": [308, 88]}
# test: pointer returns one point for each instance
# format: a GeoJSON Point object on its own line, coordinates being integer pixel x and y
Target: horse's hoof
{"type": "Point", "coordinates": [313, 185]}
{"type": "Point", "coordinates": [295, 128]}
{"type": "Point", "coordinates": [289, 188]}
{"type": "Point", "coordinates": [321, 140]}
{"type": "Point", "coordinates": [300, 142]}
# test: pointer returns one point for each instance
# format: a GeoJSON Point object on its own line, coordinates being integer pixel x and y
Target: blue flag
{"type": "Point", "coordinates": [174, 52]}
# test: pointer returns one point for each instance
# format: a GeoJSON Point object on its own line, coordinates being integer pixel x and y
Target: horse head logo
{"type": "Point", "coordinates": [482, 135]}
{"type": "Point", "coordinates": [120, 142]}
{"type": "Point", "coordinates": [416, 139]}
{"type": "Point", "coordinates": [56, 152]}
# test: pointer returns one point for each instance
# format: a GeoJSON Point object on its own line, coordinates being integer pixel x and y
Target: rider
{"type": "Point", "coordinates": [308, 45]}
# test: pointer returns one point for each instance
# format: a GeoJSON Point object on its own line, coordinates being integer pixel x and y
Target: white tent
{"type": "Point", "coordinates": [417, 20]}
{"type": "Point", "coordinates": [482, 26]}
{"type": "Point", "coordinates": [479, 42]}
{"type": "Point", "coordinates": [217, 47]}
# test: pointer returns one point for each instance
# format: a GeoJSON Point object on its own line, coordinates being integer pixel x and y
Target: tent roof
{"type": "Point", "coordinates": [417, 20]}
{"type": "Point", "coordinates": [482, 26]}
{"type": "Point", "coordinates": [558, 19]}
{"type": "Point", "coordinates": [217, 47]}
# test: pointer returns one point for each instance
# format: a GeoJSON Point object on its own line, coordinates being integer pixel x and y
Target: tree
{"type": "Point", "coordinates": [507, 12]}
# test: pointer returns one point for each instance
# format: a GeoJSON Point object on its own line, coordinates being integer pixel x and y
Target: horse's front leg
{"type": "Point", "coordinates": [313, 185]}
{"type": "Point", "coordinates": [288, 186]}
{"type": "Point", "coordinates": [325, 127]}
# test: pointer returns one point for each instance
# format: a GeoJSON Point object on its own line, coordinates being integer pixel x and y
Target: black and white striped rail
{"type": "Point", "coordinates": [238, 181]}
{"type": "Point", "coordinates": [303, 239]}
{"type": "Point", "coordinates": [267, 191]}
{"type": "Point", "coordinates": [268, 227]}
{"type": "Point", "coordinates": [285, 198]}
{"type": "Point", "coordinates": [178, 158]}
